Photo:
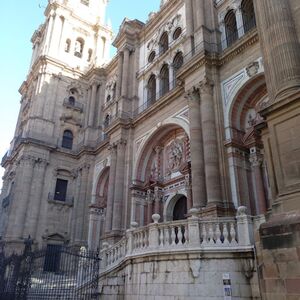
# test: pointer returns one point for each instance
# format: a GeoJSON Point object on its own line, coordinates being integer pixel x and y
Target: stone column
{"type": "Point", "coordinates": [101, 100]}
{"type": "Point", "coordinates": [149, 207]}
{"type": "Point", "coordinates": [55, 36]}
{"type": "Point", "coordinates": [119, 72]}
{"type": "Point", "coordinates": [21, 196]}
{"type": "Point", "coordinates": [133, 206]}
{"type": "Point", "coordinates": [196, 144]}
{"type": "Point", "coordinates": [125, 72]}
{"type": "Point", "coordinates": [81, 207]}
{"type": "Point", "coordinates": [157, 95]}
{"type": "Point", "coordinates": [223, 35]}
{"type": "Point", "coordinates": [94, 227]}
{"type": "Point", "coordinates": [33, 209]}
{"type": "Point", "coordinates": [210, 145]}
{"type": "Point", "coordinates": [171, 77]}
{"type": "Point", "coordinates": [199, 13]}
{"type": "Point", "coordinates": [256, 162]}
{"type": "Point", "coordinates": [280, 46]}
{"type": "Point", "coordinates": [111, 189]}
{"type": "Point", "coordinates": [189, 44]}
{"type": "Point", "coordinates": [88, 106]}
{"type": "Point", "coordinates": [93, 104]}
{"type": "Point", "coordinates": [49, 32]}
{"type": "Point", "coordinates": [189, 194]}
{"type": "Point", "coordinates": [157, 199]}
{"type": "Point", "coordinates": [119, 186]}
{"type": "Point", "coordinates": [239, 21]}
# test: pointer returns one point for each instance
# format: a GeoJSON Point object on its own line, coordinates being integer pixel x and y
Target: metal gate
{"type": "Point", "coordinates": [57, 272]}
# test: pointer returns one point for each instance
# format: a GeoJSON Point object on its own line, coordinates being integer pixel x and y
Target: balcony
{"type": "Point", "coordinates": [73, 104]}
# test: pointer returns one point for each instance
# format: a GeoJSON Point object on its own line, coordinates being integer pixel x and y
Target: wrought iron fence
{"type": "Point", "coordinates": [57, 272]}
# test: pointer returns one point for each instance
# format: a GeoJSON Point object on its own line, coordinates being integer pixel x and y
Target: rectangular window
{"type": "Point", "coordinates": [52, 258]}
{"type": "Point", "coordinates": [61, 190]}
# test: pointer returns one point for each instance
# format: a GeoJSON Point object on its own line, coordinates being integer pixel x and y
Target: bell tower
{"type": "Point", "coordinates": [75, 33]}
{"type": "Point", "coordinates": [55, 110]}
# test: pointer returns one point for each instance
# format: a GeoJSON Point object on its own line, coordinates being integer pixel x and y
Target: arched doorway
{"type": "Point", "coordinates": [162, 171]}
{"type": "Point", "coordinates": [180, 209]}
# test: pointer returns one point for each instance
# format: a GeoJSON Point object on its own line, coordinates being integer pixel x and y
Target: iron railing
{"type": "Point", "coordinates": [74, 105]}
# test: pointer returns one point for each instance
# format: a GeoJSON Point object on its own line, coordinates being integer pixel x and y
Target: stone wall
{"type": "Point", "coordinates": [179, 276]}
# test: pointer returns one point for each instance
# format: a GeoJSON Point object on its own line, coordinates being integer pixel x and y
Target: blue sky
{"type": "Point", "coordinates": [18, 21]}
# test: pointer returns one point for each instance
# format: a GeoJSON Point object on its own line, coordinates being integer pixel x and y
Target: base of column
{"type": "Point", "coordinates": [216, 211]}
{"type": "Point", "coordinates": [113, 236]}
{"type": "Point", "coordinates": [278, 247]}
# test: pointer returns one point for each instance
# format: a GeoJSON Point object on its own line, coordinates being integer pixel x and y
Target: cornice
{"type": "Point", "coordinates": [161, 16]}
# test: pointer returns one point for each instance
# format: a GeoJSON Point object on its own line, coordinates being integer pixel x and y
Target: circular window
{"type": "Point", "coordinates": [151, 56]}
{"type": "Point", "coordinates": [177, 33]}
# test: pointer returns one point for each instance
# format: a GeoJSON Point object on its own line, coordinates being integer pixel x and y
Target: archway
{"type": "Point", "coordinates": [162, 170]}
{"type": "Point", "coordinates": [248, 170]}
{"type": "Point", "coordinates": [180, 209]}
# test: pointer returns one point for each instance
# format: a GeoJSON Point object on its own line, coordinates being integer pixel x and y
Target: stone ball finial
{"type": "Point", "coordinates": [194, 212]}
{"type": "Point", "coordinates": [242, 211]}
{"type": "Point", "coordinates": [155, 218]}
{"type": "Point", "coordinates": [134, 224]}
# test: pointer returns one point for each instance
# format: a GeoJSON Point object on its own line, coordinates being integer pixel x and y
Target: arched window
{"type": "Point", "coordinates": [151, 90]}
{"type": "Point", "coordinates": [177, 62]}
{"type": "Point", "coordinates": [231, 28]}
{"type": "Point", "coordinates": [151, 56]}
{"type": "Point", "coordinates": [248, 15]}
{"type": "Point", "coordinates": [90, 54]}
{"type": "Point", "coordinates": [107, 121]}
{"type": "Point", "coordinates": [177, 33]}
{"type": "Point", "coordinates": [67, 141]}
{"type": "Point", "coordinates": [164, 79]}
{"type": "Point", "coordinates": [67, 45]}
{"type": "Point", "coordinates": [163, 43]}
{"type": "Point", "coordinates": [79, 44]}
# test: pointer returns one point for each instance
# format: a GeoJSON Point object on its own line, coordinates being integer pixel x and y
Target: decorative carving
{"type": "Point", "coordinates": [195, 266]}
{"type": "Point", "coordinates": [206, 86]}
{"type": "Point", "coordinates": [242, 211]}
{"type": "Point", "coordinates": [192, 94]}
{"type": "Point", "coordinates": [248, 268]}
{"type": "Point", "coordinates": [252, 68]}
{"type": "Point", "coordinates": [175, 155]}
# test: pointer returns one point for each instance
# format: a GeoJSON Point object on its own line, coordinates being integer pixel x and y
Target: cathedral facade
{"type": "Point", "coordinates": [179, 158]}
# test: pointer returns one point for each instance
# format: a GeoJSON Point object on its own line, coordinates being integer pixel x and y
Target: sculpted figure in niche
{"type": "Point", "coordinates": [153, 170]}
{"type": "Point", "coordinates": [175, 155]}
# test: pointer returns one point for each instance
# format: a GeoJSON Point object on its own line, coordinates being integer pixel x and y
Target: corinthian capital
{"type": "Point", "coordinates": [206, 86]}
{"type": "Point", "coordinates": [192, 94]}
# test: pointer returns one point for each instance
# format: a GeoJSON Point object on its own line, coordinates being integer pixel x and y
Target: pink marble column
{"type": "Point", "coordinates": [210, 144]}
{"type": "Point", "coordinates": [196, 149]}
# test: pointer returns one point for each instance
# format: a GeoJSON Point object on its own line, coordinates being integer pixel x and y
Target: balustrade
{"type": "Point", "coordinates": [221, 233]}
